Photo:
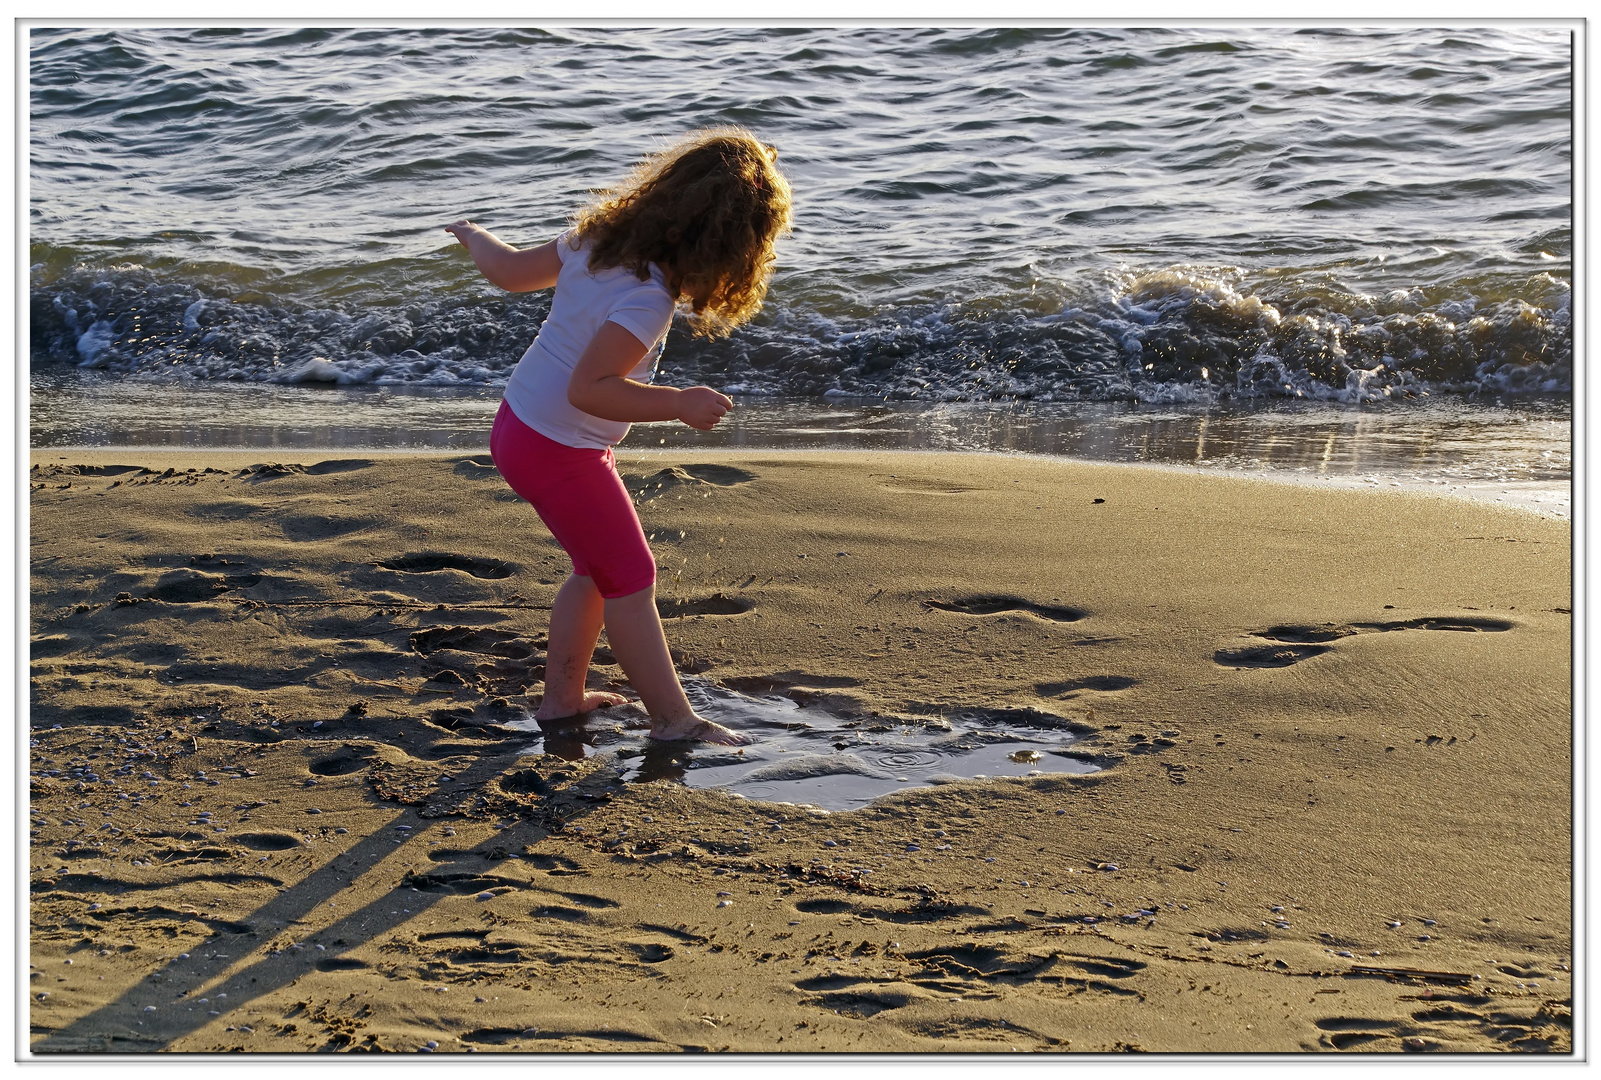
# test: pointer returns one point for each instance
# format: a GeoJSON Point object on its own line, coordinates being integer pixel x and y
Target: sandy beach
{"type": "Point", "coordinates": [283, 798]}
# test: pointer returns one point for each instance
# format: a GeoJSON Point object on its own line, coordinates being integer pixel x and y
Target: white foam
{"type": "Point", "coordinates": [93, 342]}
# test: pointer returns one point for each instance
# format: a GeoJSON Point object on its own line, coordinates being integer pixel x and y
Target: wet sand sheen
{"type": "Point", "coordinates": [276, 755]}
{"type": "Point", "coordinates": [819, 758]}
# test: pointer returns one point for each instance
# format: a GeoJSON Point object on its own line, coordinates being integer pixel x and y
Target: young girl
{"type": "Point", "coordinates": [692, 226]}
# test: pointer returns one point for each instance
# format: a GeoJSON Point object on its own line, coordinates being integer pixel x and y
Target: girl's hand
{"type": "Point", "coordinates": [504, 265]}
{"type": "Point", "coordinates": [701, 407]}
{"type": "Point", "coordinates": [464, 231]}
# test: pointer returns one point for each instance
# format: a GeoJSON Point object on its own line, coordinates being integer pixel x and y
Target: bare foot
{"type": "Point", "coordinates": [694, 728]}
{"type": "Point", "coordinates": [592, 700]}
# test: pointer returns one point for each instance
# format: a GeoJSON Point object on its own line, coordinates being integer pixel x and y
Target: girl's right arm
{"type": "Point", "coordinates": [505, 266]}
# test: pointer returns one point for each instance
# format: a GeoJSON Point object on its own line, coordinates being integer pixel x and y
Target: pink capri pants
{"type": "Point", "coordinates": [581, 500]}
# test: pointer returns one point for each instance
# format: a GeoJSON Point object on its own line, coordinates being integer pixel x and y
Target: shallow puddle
{"type": "Point", "coordinates": [805, 755]}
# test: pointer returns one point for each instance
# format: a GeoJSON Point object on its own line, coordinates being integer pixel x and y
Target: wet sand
{"type": "Point", "coordinates": [283, 799]}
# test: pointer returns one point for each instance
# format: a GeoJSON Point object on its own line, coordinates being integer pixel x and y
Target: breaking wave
{"type": "Point", "coordinates": [1169, 335]}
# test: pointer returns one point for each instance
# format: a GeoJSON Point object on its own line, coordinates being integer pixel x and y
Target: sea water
{"type": "Point", "coordinates": [808, 754]}
{"type": "Point", "coordinates": [1062, 240]}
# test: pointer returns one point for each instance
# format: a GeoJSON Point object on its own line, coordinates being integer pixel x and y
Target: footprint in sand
{"type": "Point", "coordinates": [588, 900]}
{"type": "Point", "coordinates": [1294, 643]}
{"type": "Point", "coordinates": [50, 645]}
{"type": "Point", "coordinates": [914, 485]}
{"type": "Point", "coordinates": [337, 465]}
{"type": "Point", "coordinates": [273, 470]}
{"type": "Point", "coordinates": [43, 715]}
{"type": "Point", "coordinates": [650, 952]}
{"type": "Point", "coordinates": [1106, 967]}
{"type": "Point", "coordinates": [432, 562]}
{"type": "Point", "coordinates": [268, 841]}
{"type": "Point", "coordinates": [917, 914]}
{"type": "Point", "coordinates": [1345, 1032]}
{"type": "Point", "coordinates": [104, 884]}
{"type": "Point", "coordinates": [971, 1027]}
{"type": "Point", "coordinates": [862, 1004]}
{"type": "Point", "coordinates": [1000, 604]}
{"type": "Point", "coordinates": [715, 604]}
{"type": "Point", "coordinates": [825, 907]}
{"type": "Point", "coordinates": [676, 933]}
{"type": "Point", "coordinates": [524, 782]}
{"type": "Point", "coordinates": [462, 883]}
{"type": "Point", "coordinates": [1267, 656]}
{"type": "Point", "coordinates": [1104, 684]}
{"type": "Point", "coordinates": [496, 1036]}
{"type": "Point", "coordinates": [185, 586]}
{"type": "Point", "coordinates": [348, 760]}
{"type": "Point", "coordinates": [309, 528]}
{"type": "Point", "coordinates": [493, 953]}
{"type": "Point", "coordinates": [679, 476]}
{"type": "Point", "coordinates": [442, 751]}
{"type": "Point", "coordinates": [477, 639]}
{"type": "Point", "coordinates": [177, 856]}
{"type": "Point", "coordinates": [558, 911]}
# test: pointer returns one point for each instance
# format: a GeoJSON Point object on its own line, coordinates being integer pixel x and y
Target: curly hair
{"type": "Point", "coordinates": [707, 210]}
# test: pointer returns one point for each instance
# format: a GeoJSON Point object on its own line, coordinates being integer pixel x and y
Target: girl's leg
{"type": "Point", "coordinates": [634, 630]}
{"type": "Point", "coordinates": [575, 620]}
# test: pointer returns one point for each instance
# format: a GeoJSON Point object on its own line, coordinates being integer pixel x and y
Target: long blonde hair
{"type": "Point", "coordinates": [708, 211]}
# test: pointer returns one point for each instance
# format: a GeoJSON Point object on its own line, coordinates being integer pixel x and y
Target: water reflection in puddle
{"type": "Point", "coordinates": [805, 755]}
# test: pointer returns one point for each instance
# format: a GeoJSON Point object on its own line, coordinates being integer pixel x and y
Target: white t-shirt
{"type": "Point", "coordinates": [537, 390]}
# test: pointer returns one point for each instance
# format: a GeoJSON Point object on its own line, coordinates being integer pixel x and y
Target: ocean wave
{"type": "Point", "coordinates": [1179, 334]}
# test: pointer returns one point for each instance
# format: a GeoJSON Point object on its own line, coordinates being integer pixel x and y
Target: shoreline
{"type": "Point", "coordinates": [1320, 712]}
{"type": "Point", "coordinates": [1550, 499]}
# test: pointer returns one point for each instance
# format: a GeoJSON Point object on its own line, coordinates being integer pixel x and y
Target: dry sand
{"type": "Point", "coordinates": [1336, 731]}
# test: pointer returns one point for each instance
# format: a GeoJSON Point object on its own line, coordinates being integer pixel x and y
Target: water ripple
{"type": "Point", "coordinates": [1033, 176]}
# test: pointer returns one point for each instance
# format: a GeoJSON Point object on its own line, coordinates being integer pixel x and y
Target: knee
{"type": "Point", "coordinates": [580, 585]}
{"type": "Point", "coordinates": [637, 598]}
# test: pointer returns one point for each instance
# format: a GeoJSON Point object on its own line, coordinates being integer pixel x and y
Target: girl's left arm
{"type": "Point", "coordinates": [504, 265]}
{"type": "Point", "coordinates": [600, 386]}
